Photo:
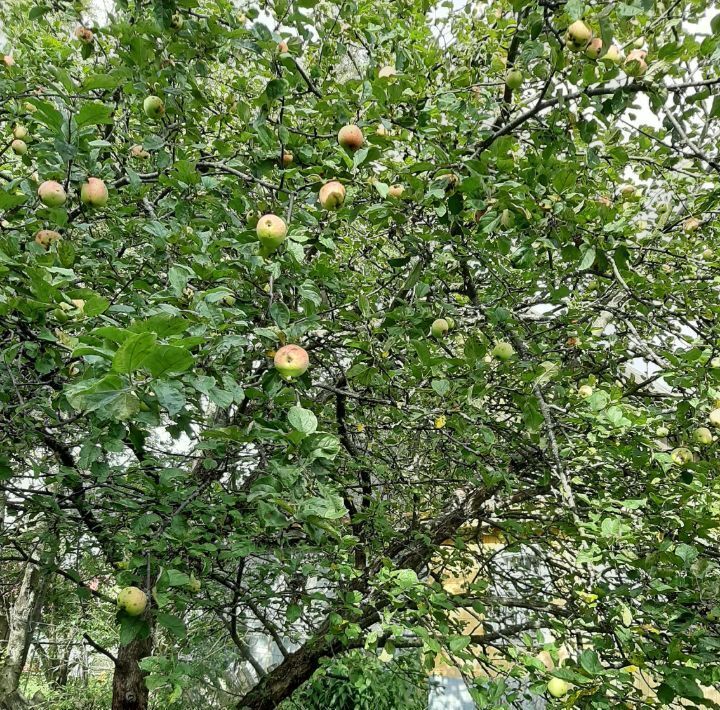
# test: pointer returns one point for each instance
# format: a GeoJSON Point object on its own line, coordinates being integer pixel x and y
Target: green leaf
{"type": "Point", "coordinates": [168, 359]}
{"type": "Point", "coordinates": [132, 353]}
{"type": "Point", "coordinates": [172, 623]}
{"type": "Point", "coordinates": [303, 420]}
{"type": "Point", "coordinates": [93, 114]}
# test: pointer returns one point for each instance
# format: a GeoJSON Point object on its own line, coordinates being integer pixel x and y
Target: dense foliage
{"type": "Point", "coordinates": [563, 224]}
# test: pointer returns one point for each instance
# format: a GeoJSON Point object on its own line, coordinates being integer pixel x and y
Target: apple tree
{"type": "Point", "coordinates": [357, 330]}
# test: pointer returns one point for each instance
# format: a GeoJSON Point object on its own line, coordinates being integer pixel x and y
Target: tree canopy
{"type": "Point", "coordinates": [509, 307]}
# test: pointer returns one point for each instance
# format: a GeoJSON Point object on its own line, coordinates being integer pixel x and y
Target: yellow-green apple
{"type": "Point", "coordinates": [176, 21]}
{"type": "Point", "coordinates": [19, 147]}
{"type": "Point", "coordinates": [635, 64]}
{"type": "Point", "coordinates": [287, 158]}
{"type": "Point", "coordinates": [594, 48]}
{"type": "Point", "coordinates": [439, 328]}
{"type": "Point", "coordinates": [703, 436]}
{"type": "Point", "coordinates": [708, 254]}
{"type": "Point", "coordinates": [20, 132]}
{"type": "Point", "coordinates": [396, 191]}
{"type": "Point", "coordinates": [350, 137]}
{"type": "Point", "coordinates": [440, 421]}
{"type": "Point", "coordinates": [386, 72]}
{"type": "Point", "coordinates": [84, 34]}
{"type": "Point", "coordinates": [132, 601]}
{"type": "Point", "coordinates": [612, 56]}
{"type": "Point", "coordinates": [332, 195]}
{"type": "Point", "coordinates": [714, 417]}
{"type": "Point", "coordinates": [557, 687]}
{"type": "Point", "coordinates": [194, 585]}
{"type": "Point", "coordinates": [639, 42]}
{"type": "Point", "coordinates": [45, 237]}
{"type": "Point", "coordinates": [381, 130]}
{"type": "Point", "coordinates": [291, 361]}
{"type": "Point", "coordinates": [154, 107]}
{"type": "Point", "coordinates": [503, 350]}
{"type": "Point", "coordinates": [271, 231]}
{"type": "Point", "coordinates": [514, 79]}
{"type": "Point", "coordinates": [585, 391]}
{"type": "Point", "coordinates": [627, 191]}
{"type": "Point", "coordinates": [681, 456]}
{"type": "Point", "coordinates": [52, 193]}
{"type": "Point", "coordinates": [691, 224]}
{"type": "Point", "coordinates": [662, 431]}
{"type": "Point", "coordinates": [578, 35]}
{"type": "Point", "coordinates": [94, 193]}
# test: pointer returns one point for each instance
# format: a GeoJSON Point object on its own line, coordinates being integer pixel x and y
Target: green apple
{"type": "Point", "coordinates": [514, 79]}
{"type": "Point", "coordinates": [503, 350]}
{"type": "Point", "coordinates": [291, 361]}
{"type": "Point", "coordinates": [271, 231]}
{"type": "Point", "coordinates": [662, 431]}
{"type": "Point", "coordinates": [703, 436]}
{"type": "Point", "coordinates": [19, 147]}
{"type": "Point", "coordinates": [154, 107]}
{"type": "Point", "coordinates": [439, 327]}
{"type": "Point", "coordinates": [132, 601]}
{"type": "Point", "coordinates": [714, 417]}
{"type": "Point", "coordinates": [557, 687]}
{"type": "Point", "coordinates": [681, 456]}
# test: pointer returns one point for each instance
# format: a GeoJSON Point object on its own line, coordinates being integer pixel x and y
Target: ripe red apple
{"type": "Point", "coordinates": [291, 361]}
{"type": "Point", "coordinates": [132, 601]}
{"type": "Point", "coordinates": [350, 137]}
{"type": "Point", "coordinates": [19, 147]}
{"type": "Point", "coordinates": [154, 107]}
{"type": "Point", "coordinates": [52, 193]}
{"type": "Point", "coordinates": [578, 35]}
{"type": "Point", "coordinates": [94, 193]}
{"type": "Point", "coordinates": [332, 195]}
{"type": "Point", "coordinates": [45, 237]}
{"type": "Point", "coordinates": [271, 231]}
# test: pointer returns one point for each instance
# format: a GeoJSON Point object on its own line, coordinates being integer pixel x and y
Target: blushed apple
{"type": "Point", "coordinates": [45, 237]}
{"type": "Point", "coordinates": [19, 147]}
{"type": "Point", "coordinates": [332, 195]}
{"type": "Point", "coordinates": [291, 361]}
{"type": "Point", "coordinates": [94, 193]}
{"type": "Point", "coordinates": [351, 137]}
{"type": "Point", "coordinates": [52, 194]}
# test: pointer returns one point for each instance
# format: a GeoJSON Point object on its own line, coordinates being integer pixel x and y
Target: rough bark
{"type": "Point", "coordinates": [21, 620]}
{"type": "Point", "coordinates": [129, 689]}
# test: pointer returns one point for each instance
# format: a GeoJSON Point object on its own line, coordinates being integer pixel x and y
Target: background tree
{"type": "Point", "coordinates": [543, 177]}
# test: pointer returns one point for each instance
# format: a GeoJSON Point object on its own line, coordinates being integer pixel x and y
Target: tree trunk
{"type": "Point", "coordinates": [129, 689]}
{"type": "Point", "coordinates": [23, 614]}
